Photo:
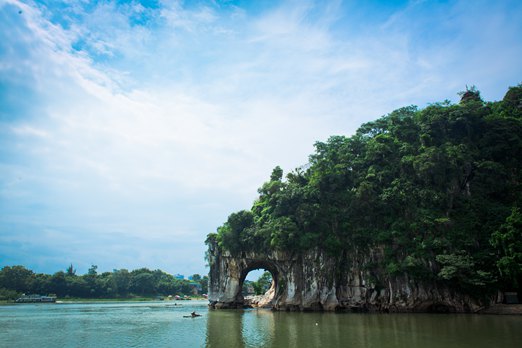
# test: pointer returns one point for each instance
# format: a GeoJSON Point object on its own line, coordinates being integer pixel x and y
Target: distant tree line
{"type": "Point", "coordinates": [437, 191]}
{"type": "Point", "coordinates": [15, 280]}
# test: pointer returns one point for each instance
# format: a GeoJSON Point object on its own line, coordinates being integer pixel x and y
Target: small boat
{"type": "Point", "coordinates": [36, 299]}
{"type": "Point", "coordinates": [192, 315]}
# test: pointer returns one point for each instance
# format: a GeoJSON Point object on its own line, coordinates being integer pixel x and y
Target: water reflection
{"type": "Point", "coordinates": [263, 328]}
{"type": "Point", "coordinates": [224, 329]}
{"type": "Point", "coordinates": [160, 325]}
{"type": "Point", "coordinates": [258, 327]}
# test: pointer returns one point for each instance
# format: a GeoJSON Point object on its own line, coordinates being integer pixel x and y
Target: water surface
{"type": "Point", "coordinates": [161, 324]}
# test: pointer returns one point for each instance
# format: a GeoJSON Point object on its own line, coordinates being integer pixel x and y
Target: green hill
{"type": "Point", "coordinates": [437, 191]}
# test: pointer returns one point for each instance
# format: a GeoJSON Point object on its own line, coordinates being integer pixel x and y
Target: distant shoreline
{"type": "Point", "coordinates": [496, 309]}
{"type": "Point", "coordinates": [94, 300]}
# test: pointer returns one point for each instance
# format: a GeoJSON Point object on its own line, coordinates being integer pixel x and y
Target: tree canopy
{"type": "Point", "coordinates": [438, 190]}
{"type": "Point", "coordinates": [15, 280]}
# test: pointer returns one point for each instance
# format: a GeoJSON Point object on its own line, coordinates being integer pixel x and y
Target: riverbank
{"type": "Point", "coordinates": [496, 309]}
{"type": "Point", "coordinates": [138, 299]}
{"type": "Point", "coordinates": [503, 309]}
{"type": "Point", "coordinates": [118, 299]}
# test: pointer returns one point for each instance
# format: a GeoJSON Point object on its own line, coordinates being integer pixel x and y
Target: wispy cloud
{"type": "Point", "coordinates": [129, 129]}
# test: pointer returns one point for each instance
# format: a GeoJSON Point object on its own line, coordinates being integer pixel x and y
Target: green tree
{"type": "Point", "coordinates": [508, 240]}
{"type": "Point", "coordinates": [91, 281]}
{"type": "Point", "coordinates": [77, 286]}
{"type": "Point", "coordinates": [71, 271]}
{"type": "Point", "coordinates": [17, 278]}
{"type": "Point", "coordinates": [235, 234]}
{"type": "Point", "coordinates": [263, 283]}
{"type": "Point", "coordinates": [92, 271]}
{"type": "Point", "coordinates": [121, 282]}
{"type": "Point", "coordinates": [460, 269]}
{"type": "Point", "coordinates": [8, 295]}
{"type": "Point", "coordinates": [204, 284]}
{"type": "Point", "coordinates": [142, 282]}
{"type": "Point", "coordinates": [58, 284]}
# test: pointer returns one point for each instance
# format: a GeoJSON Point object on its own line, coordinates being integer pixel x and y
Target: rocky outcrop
{"type": "Point", "coordinates": [261, 301]}
{"type": "Point", "coordinates": [315, 281]}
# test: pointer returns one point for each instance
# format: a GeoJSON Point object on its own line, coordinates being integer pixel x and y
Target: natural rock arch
{"type": "Point", "coordinates": [295, 287]}
{"type": "Point", "coordinates": [228, 273]}
{"type": "Point", "coordinates": [253, 264]}
{"type": "Point", "coordinates": [315, 281]}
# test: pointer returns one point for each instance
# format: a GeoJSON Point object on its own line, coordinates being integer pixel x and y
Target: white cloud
{"type": "Point", "coordinates": [30, 131]}
{"type": "Point", "coordinates": [159, 131]}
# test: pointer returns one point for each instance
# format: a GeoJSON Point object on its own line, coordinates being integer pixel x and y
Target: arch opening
{"type": "Point", "coordinates": [260, 292]}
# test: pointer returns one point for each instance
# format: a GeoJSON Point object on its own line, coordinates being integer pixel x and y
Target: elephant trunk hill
{"type": "Point", "coordinates": [417, 211]}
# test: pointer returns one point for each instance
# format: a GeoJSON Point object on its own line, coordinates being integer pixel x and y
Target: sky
{"type": "Point", "coordinates": [129, 130]}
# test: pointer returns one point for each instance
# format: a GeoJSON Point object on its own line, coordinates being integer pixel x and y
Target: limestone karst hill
{"type": "Point", "coordinates": [417, 211]}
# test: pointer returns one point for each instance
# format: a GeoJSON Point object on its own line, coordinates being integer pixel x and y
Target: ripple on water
{"type": "Point", "coordinates": [159, 324]}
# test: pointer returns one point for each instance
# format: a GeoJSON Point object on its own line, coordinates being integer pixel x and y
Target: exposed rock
{"type": "Point", "coordinates": [317, 282]}
{"type": "Point", "coordinates": [508, 309]}
{"type": "Point", "coordinates": [261, 301]}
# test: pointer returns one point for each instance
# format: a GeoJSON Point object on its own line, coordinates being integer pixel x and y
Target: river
{"type": "Point", "coordinates": [161, 324]}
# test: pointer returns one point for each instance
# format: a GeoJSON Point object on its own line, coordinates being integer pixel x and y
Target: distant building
{"type": "Point", "coordinates": [179, 276]}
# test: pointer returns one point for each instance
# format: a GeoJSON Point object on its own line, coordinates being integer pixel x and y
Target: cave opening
{"type": "Point", "coordinates": [258, 285]}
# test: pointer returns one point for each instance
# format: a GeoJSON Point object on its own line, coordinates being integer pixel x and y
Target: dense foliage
{"type": "Point", "coordinates": [260, 286]}
{"type": "Point", "coordinates": [15, 280]}
{"type": "Point", "coordinates": [436, 190]}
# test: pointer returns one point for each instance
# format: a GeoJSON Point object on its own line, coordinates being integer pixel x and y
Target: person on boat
{"type": "Point", "coordinates": [193, 314]}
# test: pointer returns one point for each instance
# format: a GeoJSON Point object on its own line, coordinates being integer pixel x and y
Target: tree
{"type": "Point", "coordinates": [204, 284]}
{"type": "Point", "coordinates": [508, 240]}
{"type": "Point", "coordinates": [91, 281]}
{"type": "Point", "coordinates": [511, 105]}
{"type": "Point", "coordinates": [234, 234]}
{"type": "Point", "coordinates": [460, 269]}
{"type": "Point", "coordinates": [92, 271]}
{"type": "Point", "coordinates": [277, 174]}
{"type": "Point", "coordinates": [71, 271]}
{"type": "Point", "coordinates": [17, 278]}
{"type": "Point", "coordinates": [142, 282]}
{"type": "Point", "coordinates": [58, 284]}
{"type": "Point", "coordinates": [263, 283]}
{"type": "Point", "coordinates": [77, 286]}
{"type": "Point", "coordinates": [6, 294]}
{"type": "Point", "coordinates": [470, 94]}
{"type": "Point", "coordinates": [120, 282]}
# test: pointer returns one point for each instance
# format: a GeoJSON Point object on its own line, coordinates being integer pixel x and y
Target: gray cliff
{"type": "Point", "coordinates": [314, 281]}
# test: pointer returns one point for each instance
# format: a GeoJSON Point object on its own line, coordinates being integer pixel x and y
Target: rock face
{"type": "Point", "coordinates": [317, 282]}
{"type": "Point", "coordinates": [261, 301]}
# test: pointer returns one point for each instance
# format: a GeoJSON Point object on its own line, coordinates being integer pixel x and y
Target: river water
{"type": "Point", "coordinates": [161, 324]}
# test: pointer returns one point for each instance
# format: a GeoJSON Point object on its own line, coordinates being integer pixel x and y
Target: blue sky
{"type": "Point", "coordinates": [129, 130]}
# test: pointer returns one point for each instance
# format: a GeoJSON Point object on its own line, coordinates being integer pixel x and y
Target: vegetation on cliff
{"type": "Point", "coordinates": [437, 191]}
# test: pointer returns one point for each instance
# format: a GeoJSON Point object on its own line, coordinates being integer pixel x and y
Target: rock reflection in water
{"type": "Point", "coordinates": [224, 329]}
{"type": "Point", "coordinates": [264, 328]}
